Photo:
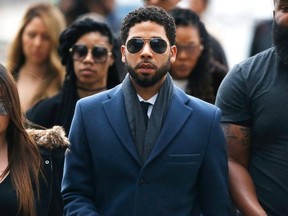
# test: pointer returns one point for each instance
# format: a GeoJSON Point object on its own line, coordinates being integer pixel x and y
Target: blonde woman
{"type": "Point", "coordinates": [33, 58]}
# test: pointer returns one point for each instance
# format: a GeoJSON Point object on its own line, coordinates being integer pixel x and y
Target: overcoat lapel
{"type": "Point", "coordinates": [176, 117]}
{"type": "Point", "coordinates": [116, 114]}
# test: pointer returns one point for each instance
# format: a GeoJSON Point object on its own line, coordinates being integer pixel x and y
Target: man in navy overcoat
{"type": "Point", "coordinates": [117, 165]}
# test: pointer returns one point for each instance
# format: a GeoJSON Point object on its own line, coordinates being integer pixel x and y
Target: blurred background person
{"type": "Point", "coordinates": [194, 70]}
{"type": "Point", "coordinates": [28, 185]}
{"type": "Point", "coordinates": [106, 8]}
{"type": "Point", "coordinates": [86, 49]}
{"type": "Point", "coordinates": [200, 7]}
{"type": "Point", "coordinates": [165, 4]}
{"type": "Point", "coordinates": [33, 59]}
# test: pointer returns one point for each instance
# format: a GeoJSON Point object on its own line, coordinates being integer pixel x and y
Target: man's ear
{"type": "Point", "coordinates": [173, 52]}
{"type": "Point", "coordinates": [123, 59]}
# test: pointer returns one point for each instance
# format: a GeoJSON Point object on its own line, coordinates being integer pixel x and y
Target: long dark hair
{"type": "Point", "coordinates": [23, 155]}
{"type": "Point", "coordinates": [69, 92]}
{"type": "Point", "coordinates": [200, 81]}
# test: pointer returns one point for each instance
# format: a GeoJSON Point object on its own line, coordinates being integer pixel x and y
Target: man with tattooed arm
{"type": "Point", "coordinates": [253, 98]}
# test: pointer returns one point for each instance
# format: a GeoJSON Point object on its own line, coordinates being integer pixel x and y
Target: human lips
{"type": "Point", "coordinates": [182, 67]}
{"type": "Point", "coordinates": [37, 53]}
{"type": "Point", "coordinates": [146, 68]}
{"type": "Point", "coordinates": [87, 71]}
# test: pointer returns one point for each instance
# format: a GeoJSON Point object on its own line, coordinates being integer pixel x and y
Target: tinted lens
{"type": "Point", "coordinates": [135, 45]}
{"type": "Point", "coordinates": [190, 49]}
{"type": "Point", "coordinates": [2, 109]}
{"type": "Point", "coordinates": [158, 45]}
{"type": "Point", "coordinates": [99, 54]}
{"type": "Point", "coordinates": [79, 52]}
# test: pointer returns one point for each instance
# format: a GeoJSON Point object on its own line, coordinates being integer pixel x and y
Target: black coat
{"type": "Point", "coordinates": [52, 144]}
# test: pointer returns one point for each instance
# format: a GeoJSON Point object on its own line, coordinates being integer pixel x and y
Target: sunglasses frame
{"type": "Point", "coordinates": [96, 59]}
{"type": "Point", "coordinates": [192, 49]}
{"type": "Point", "coordinates": [143, 41]}
{"type": "Point", "coordinates": [3, 110]}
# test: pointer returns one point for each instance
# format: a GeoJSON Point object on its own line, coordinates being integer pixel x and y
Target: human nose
{"type": "Point", "coordinates": [37, 41]}
{"type": "Point", "coordinates": [181, 53]}
{"type": "Point", "coordinates": [88, 57]}
{"type": "Point", "coordinates": [146, 50]}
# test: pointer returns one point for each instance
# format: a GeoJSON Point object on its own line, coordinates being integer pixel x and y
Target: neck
{"type": "Point", "coordinates": [147, 92]}
{"type": "Point", "coordinates": [3, 142]}
{"type": "Point", "coordinates": [37, 70]}
{"type": "Point", "coordinates": [84, 92]}
{"type": "Point", "coordinates": [91, 89]}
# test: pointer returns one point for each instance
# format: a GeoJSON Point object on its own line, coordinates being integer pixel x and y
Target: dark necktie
{"type": "Point", "coordinates": [145, 106]}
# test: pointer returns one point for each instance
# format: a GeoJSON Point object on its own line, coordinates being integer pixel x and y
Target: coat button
{"type": "Point", "coordinates": [141, 181]}
{"type": "Point", "coordinates": [46, 162]}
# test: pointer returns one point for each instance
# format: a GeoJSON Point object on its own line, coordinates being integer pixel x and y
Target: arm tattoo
{"type": "Point", "coordinates": [246, 135]}
{"type": "Point", "coordinates": [237, 134]}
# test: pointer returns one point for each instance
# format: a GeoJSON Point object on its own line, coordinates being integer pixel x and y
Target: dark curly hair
{"type": "Point", "coordinates": [67, 39]}
{"type": "Point", "coordinates": [200, 80]}
{"type": "Point", "coordinates": [149, 13]}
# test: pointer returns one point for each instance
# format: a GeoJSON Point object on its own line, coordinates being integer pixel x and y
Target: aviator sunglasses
{"type": "Point", "coordinates": [80, 51]}
{"type": "Point", "coordinates": [158, 45]}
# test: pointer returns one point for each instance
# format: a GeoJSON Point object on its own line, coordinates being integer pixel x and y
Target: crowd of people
{"type": "Point", "coordinates": [140, 116]}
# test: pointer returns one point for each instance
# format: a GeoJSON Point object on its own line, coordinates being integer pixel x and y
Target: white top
{"type": "Point", "coordinates": [182, 84]}
{"type": "Point", "coordinates": [151, 100]}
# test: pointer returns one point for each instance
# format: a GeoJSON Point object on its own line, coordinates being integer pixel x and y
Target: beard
{"type": "Point", "coordinates": [280, 35]}
{"type": "Point", "coordinates": [148, 81]}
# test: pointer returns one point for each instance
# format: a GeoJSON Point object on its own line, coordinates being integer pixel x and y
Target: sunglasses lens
{"type": "Point", "coordinates": [99, 54]}
{"type": "Point", "coordinates": [79, 52]}
{"type": "Point", "coordinates": [158, 45]}
{"type": "Point", "coordinates": [135, 45]}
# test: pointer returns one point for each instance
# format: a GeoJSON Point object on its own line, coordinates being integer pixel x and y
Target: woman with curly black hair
{"type": "Point", "coordinates": [87, 50]}
{"type": "Point", "coordinates": [195, 70]}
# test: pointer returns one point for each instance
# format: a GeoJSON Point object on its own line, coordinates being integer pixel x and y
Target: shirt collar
{"type": "Point", "coordinates": [151, 100]}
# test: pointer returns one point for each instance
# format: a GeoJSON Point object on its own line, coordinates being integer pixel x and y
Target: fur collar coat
{"type": "Point", "coordinates": [52, 145]}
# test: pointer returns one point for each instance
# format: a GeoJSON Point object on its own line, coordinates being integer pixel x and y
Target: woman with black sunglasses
{"type": "Point", "coordinates": [87, 49]}
{"type": "Point", "coordinates": [195, 70]}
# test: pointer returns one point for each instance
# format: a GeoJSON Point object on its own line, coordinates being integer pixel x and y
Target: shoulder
{"type": "Point", "coordinates": [52, 101]}
{"type": "Point", "coordinates": [196, 104]}
{"type": "Point", "coordinates": [49, 139]}
{"type": "Point", "coordinates": [44, 109]}
{"type": "Point", "coordinates": [257, 62]}
{"type": "Point", "coordinates": [100, 97]}
{"type": "Point", "coordinates": [247, 72]}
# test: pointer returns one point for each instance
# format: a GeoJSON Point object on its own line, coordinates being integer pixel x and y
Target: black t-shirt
{"type": "Point", "coordinates": [8, 198]}
{"type": "Point", "coordinates": [255, 94]}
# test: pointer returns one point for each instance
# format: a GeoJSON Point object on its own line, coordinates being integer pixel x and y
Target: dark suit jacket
{"type": "Point", "coordinates": [185, 173]}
